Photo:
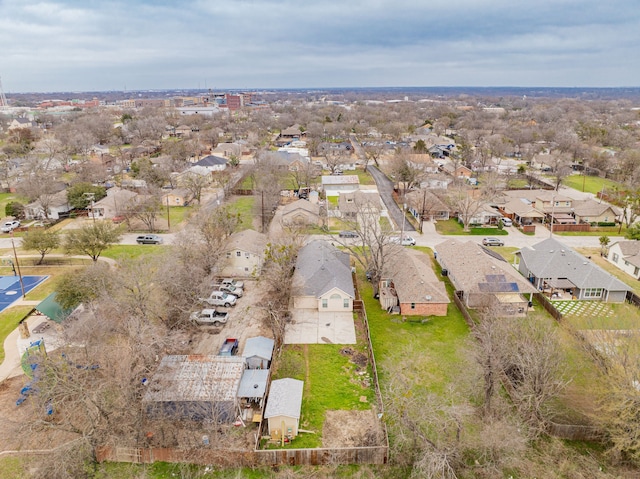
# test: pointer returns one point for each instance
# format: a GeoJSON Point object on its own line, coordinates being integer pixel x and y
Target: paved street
{"type": "Point", "coordinates": [385, 188]}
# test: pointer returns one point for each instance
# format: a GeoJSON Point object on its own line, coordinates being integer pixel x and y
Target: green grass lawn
{"type": "Point", "coordinates": [364, 176]}
{"type": "Point", "coordinates": [591, 184]}
{"type": "Point", "coordinates": [244, 206]}
{"type": "Point", "coordinates": [596, 231]}
{"type": "Point", "coordinates": [609, 268]}
{"type": "Point", "coordinates": [7, 198]}
{"type": "Point", "coordinates": [454, 227]}
{"type": "Point", "coordinates": [9, 320]}
{"type": "Point", "coordinates": [439, 340]}
{"type": "Point", "coordinates": [318, 365]}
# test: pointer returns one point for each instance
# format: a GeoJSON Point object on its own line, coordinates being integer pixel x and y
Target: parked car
{"type": "Point", "coordinates": [507, 222]}
{"type": "Point", "coordinates": [229, 288]}
{"type": "Point", "coordinates": [491, 241]}
{"type": "Point", "coordinates": [229, 347]}
{"type": "Point", "coordinates": [149, 239]}
{"type": "Point", "coordinates": [9, 226]}
{"type": "Point", "coordinates": [233, 282]}
{"type": "Point", "coordinates": [405, 241]}
{"type": "Point", "coordinates": [210, 316]}
{"type": "Point", "coordinates": [348, 234]}
{"type": "Point", "coordinates": [220, 298]}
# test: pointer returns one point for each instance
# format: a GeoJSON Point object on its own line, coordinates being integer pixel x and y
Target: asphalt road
{"type": "Point", "coordinates": [385, 188]}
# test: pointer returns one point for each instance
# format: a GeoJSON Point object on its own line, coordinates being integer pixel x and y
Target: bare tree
{"type": "Point", "coordinates": [195, 183]}
{"type": "Point", "coordinates": [467, 203]}
{"type": "Point", "coordinates": [146, 208]}
{"type": "Point", "coordinates": [92, 239]}
{"type": "Point", "coordinates": [372, 247]}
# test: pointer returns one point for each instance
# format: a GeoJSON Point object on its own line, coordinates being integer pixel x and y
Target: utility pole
{"type": "Point", "coordinates": [168, 217]}
{"type": "Point", "coordinates": [15, 255]}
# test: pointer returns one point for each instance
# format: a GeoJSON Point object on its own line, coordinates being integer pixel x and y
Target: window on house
{"type": "Point", "coordinates": [246, 255]}
{"type": "Point", "coordinates": [228, 254]}
{"type": "Point", "coordinates": [238, 254]}
{"type": "Point", "coordinates": [413, 305]}
{"type": "Point", "coordinates": [626, 263]}
{"type": "Point", "coordinates": [636, 270]}
{"type": "Point", "coordinates": [592, 293]}
{"type": "Point", "coordinates": [325, 303]}
{"type": "Point", "coordinates": [615, 257]}
{"type": "Point", "coordinates": [345, 303]}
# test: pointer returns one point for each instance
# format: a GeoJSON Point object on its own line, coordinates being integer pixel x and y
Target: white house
{"type": "Point", "coordinates": [322, 279]}
{"type": "Point", "coordinates": [245, 253]}
{"type": "Point", "coordinates": [626, 256]}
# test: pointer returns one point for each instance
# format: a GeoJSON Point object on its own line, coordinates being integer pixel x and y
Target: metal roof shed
{"type": "Point", "coordinates": [195, 387]}
{"type": "Point", "coordinates": [253, 385]}
{"type": "Point", "coordinates": [258, 352]}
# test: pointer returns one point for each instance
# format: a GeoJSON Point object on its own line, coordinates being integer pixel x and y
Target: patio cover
{"type": "Point", "coordinates": [560, 283]}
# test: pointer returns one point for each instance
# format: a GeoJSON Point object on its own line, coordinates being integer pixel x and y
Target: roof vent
{"type": "Point", "coordinates": [427, 297]}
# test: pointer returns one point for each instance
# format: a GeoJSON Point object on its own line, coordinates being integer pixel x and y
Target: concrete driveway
{"type": "Point", "coordinates": [309, 326]}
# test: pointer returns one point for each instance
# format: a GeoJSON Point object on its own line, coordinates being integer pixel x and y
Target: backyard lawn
{"type": "Point", "coordinates": [454, 227]}
{"type": "Point", "coordinates": [591, 184]}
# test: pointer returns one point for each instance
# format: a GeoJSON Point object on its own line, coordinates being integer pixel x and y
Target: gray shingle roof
{"type": "Point", "coordinates": [630, 251]}
{"type": "Point", "coordinates": [552, 259]}
{"type": "Point", "coordinates": [414, 279]}
{"type": "Point", "coordinates": [248, 240]}
{"type": "Point", "coordinates": [285, 398]}
{"type": "Point", "coordinates": [212, 160]}
{"type": "Point", "coordinates": [472, 265]}
{"type": "Point", "coordinates": [321, 267]}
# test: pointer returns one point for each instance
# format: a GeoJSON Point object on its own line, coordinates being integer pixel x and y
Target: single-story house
{"type": "Point", "coordinates": [18, 123]}
{"type": "Point", "coordinates": [551, 265]}
{"type": "Point", "coordinates": [213, 163]}
{"type": "Point", "coordinates": [56, 205]}
{"type": "Point", "coordinates": [283, 408]}
{"type": "Point", "coordinates": [333, 185]}
{"type": "Point", "coordinates": [626, 256]}
{"type": "Point", "coordinates": [322, 279]}
{"type": "Point", "coordinates": [427, 205]}
{"type": "Point", "coordinates": [177, 197]}
{"type": "Point", "coordinates": [485, 215]}
{"type": "Point", "coordinates": [484, 278]}
{"type": "Point", "coordinates": [195, 387]}
{"type": "Point", "coordinates": [409, 283]}
{"type": "Point", "coordinates": [522, 211]}
{"type": "Point", "coordinates": [302, 212]}
{"type": "Point", "coordinates": [592, 211]}
{"type": "Point", "coordinates": [245, 253]}
{"type": "Point", "coordinates": [114, 204]}
{"type": "Point", "coordinates": [257, 352]}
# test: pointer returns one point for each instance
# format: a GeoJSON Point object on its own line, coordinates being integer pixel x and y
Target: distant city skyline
{"type": "Point", "coordinates": [72, 45]}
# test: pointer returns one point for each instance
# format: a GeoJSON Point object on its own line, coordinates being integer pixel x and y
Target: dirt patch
{"type": "Point", "coordinates": [352, 429]}
{"type": "Point", "coordinates": [15, 421]}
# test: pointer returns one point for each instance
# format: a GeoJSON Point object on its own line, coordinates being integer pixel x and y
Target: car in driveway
{"type": "Point", "coordinates": [348, 234]}
{"type": "Point", "coordinates": [506, 222]}
{"type": "Point", "coordinates": [220, 298]}
{"type": "Point", "coordinates": [9, 226]}
{"type": "Point", "coordinates": [491, 241]}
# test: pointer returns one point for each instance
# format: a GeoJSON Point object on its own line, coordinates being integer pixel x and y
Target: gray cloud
{"type": "Point", "coordinates": [54, 45]}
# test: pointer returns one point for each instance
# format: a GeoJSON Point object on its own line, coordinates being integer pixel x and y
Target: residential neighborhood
{"type": "Point", "coordinates": [226, 281]}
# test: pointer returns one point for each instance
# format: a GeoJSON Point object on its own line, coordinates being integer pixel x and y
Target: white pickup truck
{"type": "Point", "coordinates": [220, 298]}
{"type": "Point", "coordinates": [210, 316]}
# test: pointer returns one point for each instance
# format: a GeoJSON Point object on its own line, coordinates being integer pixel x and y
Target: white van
{"type": "Point", "coordinates": [507, 222]}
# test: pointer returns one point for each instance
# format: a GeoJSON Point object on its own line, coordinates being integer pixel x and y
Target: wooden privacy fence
{"type": "Point", "coordinates": [235, 458]}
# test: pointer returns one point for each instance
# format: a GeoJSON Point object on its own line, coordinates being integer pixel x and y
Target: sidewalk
{"type": "Point", "coordinates": [14, 345]}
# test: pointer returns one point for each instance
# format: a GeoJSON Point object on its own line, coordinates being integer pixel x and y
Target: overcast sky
{"type": "Point", "coordinates": [94, 45]}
